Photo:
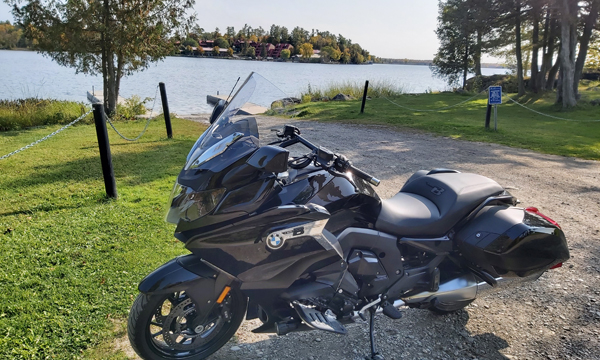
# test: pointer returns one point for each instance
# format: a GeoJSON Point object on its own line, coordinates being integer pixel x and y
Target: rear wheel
{"type": "Point", "coordinates": [167, 326]}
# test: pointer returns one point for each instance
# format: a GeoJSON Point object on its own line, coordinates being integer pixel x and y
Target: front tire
{"type": "Point", "coordinates": [166, 326]}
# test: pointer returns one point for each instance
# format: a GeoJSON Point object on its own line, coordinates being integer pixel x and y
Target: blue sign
{"type": "Point", "coordinates": [495, 95]}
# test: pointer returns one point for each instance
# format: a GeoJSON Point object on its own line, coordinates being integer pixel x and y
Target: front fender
{"type": "Point", "coordinates": [178, 274]}
{"type": "Point", "coordinates": [188, 273]}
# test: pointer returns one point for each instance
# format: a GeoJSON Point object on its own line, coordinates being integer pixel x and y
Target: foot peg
{"type": "Point", "coordinates": [390, 311]}
{"type": "Point", "coordinates": [317, 320]}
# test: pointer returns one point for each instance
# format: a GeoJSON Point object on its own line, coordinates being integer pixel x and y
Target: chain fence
{"type": "Point", "coordinates": [47, 136]}
{"type": "Point", "coordinates": [145, 127]}
{"type": "Point", "coordinates": [437, 109]}
{"type": "Point", "coordinates": [546, 115]}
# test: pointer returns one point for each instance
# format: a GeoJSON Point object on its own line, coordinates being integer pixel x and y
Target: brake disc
{"type": "Point", "coordinates": [177, 333]}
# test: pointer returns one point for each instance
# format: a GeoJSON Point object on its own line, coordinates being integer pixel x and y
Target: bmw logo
{"type": "Point", "coordinates": [274, 241]}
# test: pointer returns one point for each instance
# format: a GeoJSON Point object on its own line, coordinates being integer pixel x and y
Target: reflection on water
{"type": "Point", "coordinates": [189, 80]}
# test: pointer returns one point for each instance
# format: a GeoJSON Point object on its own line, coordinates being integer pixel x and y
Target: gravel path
{"type": "Point", "coordinates": [556, 317]}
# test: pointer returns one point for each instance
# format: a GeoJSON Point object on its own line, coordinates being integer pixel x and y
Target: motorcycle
{"type": "Point", "coordinates": [305, 243]}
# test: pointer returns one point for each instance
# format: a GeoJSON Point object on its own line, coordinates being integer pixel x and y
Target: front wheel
{"type": "Point", "coordinates": [167, 326]}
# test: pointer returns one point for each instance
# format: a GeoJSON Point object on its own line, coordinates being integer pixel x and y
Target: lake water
{"type": "Point", "coordinates": [189, 80]}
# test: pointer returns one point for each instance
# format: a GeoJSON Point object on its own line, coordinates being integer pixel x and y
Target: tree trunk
{"type": "Point", "coordinates": [477, 55]}
{"type": "Point", "coordinates": [568, 36]}
{"type": "Point", "coordinates": [552, 74]}
{"type": "Point", "coordinates": [590, 22]}
{"type": "Point", "coordinates": [120, 64]}
{"type": "Point", "coordinates": [533, 81]}
{"type": "Point", "coordinates": [518, 49]}
{"type": "Point", "coordinates": [108, 64]}
{"type": "Point", "coordinates": [549, 45]}
{"type": "Point", "coordinates": [466, 65]}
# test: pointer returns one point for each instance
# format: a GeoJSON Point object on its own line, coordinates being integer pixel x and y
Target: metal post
{"type": "Point", "coordinates": [165, 104]}
{"type": "Point", "coordinates": [488, 114]}
{"type": "Point", "coordinates": [104, 146]}
{"type": "Point", "coordinates": [495, 117]}
{"type": "Point", "coordinates": [362, 108]}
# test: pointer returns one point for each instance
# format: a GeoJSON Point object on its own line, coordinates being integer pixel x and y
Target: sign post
{"type": "Point", "coordinates": [495, 98]}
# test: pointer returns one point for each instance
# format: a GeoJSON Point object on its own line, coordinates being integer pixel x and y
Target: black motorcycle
{"type": "Point", "coordinates": [304, 242]}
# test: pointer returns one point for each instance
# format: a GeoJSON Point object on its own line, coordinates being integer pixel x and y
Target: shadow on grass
{"type": "Point", "coordinates": [162, 159]}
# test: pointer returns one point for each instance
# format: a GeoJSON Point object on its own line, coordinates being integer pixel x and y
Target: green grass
{"type": "Point", "coordinates": [517, 127]}
{"type": "Point", "coordinates": [352, 88]}
{"type": "Point", "coordinates": [24, 113]}
{"type": "Point", "coordinates": [70, 259]}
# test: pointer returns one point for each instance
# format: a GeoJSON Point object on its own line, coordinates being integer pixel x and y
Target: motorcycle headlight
{"type": "Point", "coordinates": [190, 205]}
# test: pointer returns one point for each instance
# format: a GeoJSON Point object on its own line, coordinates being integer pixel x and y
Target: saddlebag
{"type": "Point", "coordinates": [511, 242]}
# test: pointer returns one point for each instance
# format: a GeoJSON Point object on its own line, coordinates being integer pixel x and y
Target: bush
{"type": "Point", "coordinates": [132, 107]}
{"type": "Point", "coordinates": [25, 113]}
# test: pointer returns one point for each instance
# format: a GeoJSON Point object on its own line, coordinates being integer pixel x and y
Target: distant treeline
{"type": "Point", "coordinates": [331, 47]}
{"type": "Point", "coordinates": [429, 62]}
{"type": "Point", "coordinates": [11, 36]}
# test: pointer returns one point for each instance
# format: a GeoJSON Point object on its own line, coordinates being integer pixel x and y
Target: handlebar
{"type": "Point", "coordinates": [363, 175]}
{"type": "Point", "coordinates": [340, 164]}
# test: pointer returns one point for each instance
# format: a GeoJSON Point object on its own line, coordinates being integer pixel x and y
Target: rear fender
{"type": "Point", "coordinates": [189, 273]}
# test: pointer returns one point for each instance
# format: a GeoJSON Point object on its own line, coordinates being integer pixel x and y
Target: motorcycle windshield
{"type": "Point", "coordinates": [255, 95]}
{"type": "Point", "coordinates": [193, 198]}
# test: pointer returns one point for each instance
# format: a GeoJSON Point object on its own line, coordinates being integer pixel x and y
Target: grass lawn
{"type": "Point", "coordinates": [70, 260]}
{"type": "Point", "coordinates": [517, 127]}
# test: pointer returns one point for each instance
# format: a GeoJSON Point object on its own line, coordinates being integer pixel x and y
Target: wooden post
{"type": "Point", "coordinates": [165, 104]}
{"type": "Point", "coordinates": [104, 146]}
{"type": "Point", "coordinates": [488, 114]}
{"type": "Point", "coordinates": [362, 108]}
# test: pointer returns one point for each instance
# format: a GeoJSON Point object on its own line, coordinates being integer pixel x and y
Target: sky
{"type": "Point", "coordinates": [391, 29]}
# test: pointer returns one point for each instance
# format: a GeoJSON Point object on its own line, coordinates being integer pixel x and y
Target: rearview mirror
{"type": "Point", "coordinates": [217, 110]}
{"type": "Point", "coordinates": [270, 159]}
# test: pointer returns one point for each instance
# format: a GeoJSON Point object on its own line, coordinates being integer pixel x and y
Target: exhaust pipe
{"type": "Point", "coordinates": [465, 288]}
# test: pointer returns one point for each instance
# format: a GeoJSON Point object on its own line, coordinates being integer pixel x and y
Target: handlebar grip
{"type": "Point", "coordinates": [363, 175]}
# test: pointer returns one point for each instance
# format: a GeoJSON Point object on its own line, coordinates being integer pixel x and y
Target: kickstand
{"type": "Point", "coordinates": [374, 354]}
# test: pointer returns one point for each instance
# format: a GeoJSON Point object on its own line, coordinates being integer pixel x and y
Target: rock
{"type": "Point", "coordinates": [235, 348]}
{"type": "Point", "coordinates": [595, 102]}
{"type": "Point", "coordinates": [285, 102]}
{"type": "Point", "coordinates": [342, 97]}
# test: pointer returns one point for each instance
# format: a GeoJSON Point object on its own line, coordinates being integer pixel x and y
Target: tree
{"type": "Point", "coordinates": [285, 54]}
{"type": "Point", "coordinates": [216, 50]}
{"type": "Point", "coordinates": [565, 92]}
{"type": "Point", "coordinates": [455, 54]}
{"type": "Point", "coordinates": [306, 50]}
{"type": "Point", "coordinates": [345, 57]}
{"type": "Point", "coordinates": [108, 37]}
{"type": "Point", "coordinates": [9, 35]}
{"type": "Point", "coordinates": [230, 52]}
{"type": "Point", "coordinates": [222, 43]}
{"type": "Point", "coordinates": [263, 51]}
{"type": "Point", "coordinates": [200, 51]}
{"type": "Point", "coordinates": [190, 42]}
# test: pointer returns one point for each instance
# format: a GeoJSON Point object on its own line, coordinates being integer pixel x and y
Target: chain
{"type": "Point", "coordinates": [145, 127]}
{"type": "Point", "coordinates": [547, 115]}
{"type": "Point", "coordinates": [431, 110]}
{"type": "Point", "coordinates": [45, 137]}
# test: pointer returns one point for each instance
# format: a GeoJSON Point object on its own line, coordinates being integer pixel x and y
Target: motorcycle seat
{"type": "Point", "coordinates": [430, 204]}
